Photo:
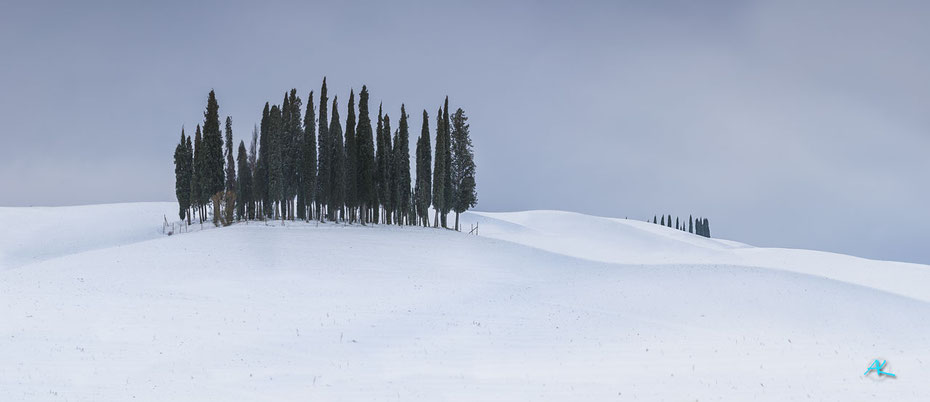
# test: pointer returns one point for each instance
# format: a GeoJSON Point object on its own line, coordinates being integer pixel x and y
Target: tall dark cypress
{"type": "Point", "coordinates": [230, 163]}
{"type": "Point", "coordinates": [189, 176]}
{"type": "Point", "coordinates": [396, 208]}
{"type": "Point", "coordinates": [297, 184]}
{"type": "Point", "coordinates": [690, 224]}
{"type": "Point", "coordinates": [297, 132]}
{"type": "Point", "coordinates": [213, 176]}
{"type": "Point", "coordinates": [387, 170]}
{"type": "Point", "coordinates": [323, 158]}
{"type": "Point", "coordinates": [448, 191]}
{"type": "Point", "coordinates": [338, 168]}
{"type": "Point", "coordinates": [197, 190]}
{"type": "Point", "coordinates": [401, 158]}
{"type": "Point", "coordinates": [423, 188]}
{"type": "Point", "coordinates": [379, 162]}
{"type": "Point", "coordinates": [308, 160]}
{"type": "Point", "coordinates": [244, 184]}
{"type": "Point", "coordinates": [182, 184]}
{"type": "Point", "coordinates": [275, 161]}
{"type": "Point", "coordinates": [290, 152]}
{"type": "Point", "coordinates": [283, 147]}
{"type": "Point", "coordinates": [253, 166]}
{"type": "Point", "coordinates": [253, 149]}
{"type": "Point", "coordinates": [463, 166]}
{"type": "Point", "coordinates": [351, 160]}
{"type": "Point", "coordinates": [417, 185]}
{"type": "Point", "coordinates": [438, 176]}
{"type": "Point", "coordinates": [367, 193]}
{"type": "Point", "coordinates": [261, 193]}
{"type": "Point", "coordinates": [381, 167]}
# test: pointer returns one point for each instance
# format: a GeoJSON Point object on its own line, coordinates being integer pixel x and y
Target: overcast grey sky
{"type": "Point", "coordinates": [787, 123]}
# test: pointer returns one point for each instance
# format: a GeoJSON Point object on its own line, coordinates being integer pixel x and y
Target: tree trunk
{"type": "Point", "coordinates": [456, 221]}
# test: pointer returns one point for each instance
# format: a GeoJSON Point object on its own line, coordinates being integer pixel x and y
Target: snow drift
{"type": "Point", "coordinates": [543, 305]}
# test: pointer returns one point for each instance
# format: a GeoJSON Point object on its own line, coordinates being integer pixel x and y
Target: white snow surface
{"type": "Point", "coordinates": [625, 241]}
{"type": "Point", "coordinates": [97, 305]}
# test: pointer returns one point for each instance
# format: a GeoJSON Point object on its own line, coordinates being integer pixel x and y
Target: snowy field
{"type": "Point", "coordinates": [97, 305]}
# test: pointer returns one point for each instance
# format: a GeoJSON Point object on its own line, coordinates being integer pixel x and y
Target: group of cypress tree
{"type": "Point", "coordinates": [199, 166]}
{"type": "Point", "coordinates": [310, 168]}
{"type": "Point", "coordinates": [700, 227]}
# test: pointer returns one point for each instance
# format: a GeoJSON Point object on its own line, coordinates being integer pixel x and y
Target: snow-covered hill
{"type": "Point", "coordinates": [96, 305]}
{"type": "Point", "coordinates": [626, 241]}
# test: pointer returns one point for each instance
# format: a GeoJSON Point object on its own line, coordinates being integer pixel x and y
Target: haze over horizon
{"type": "Point", "coordinates": [787, 124]}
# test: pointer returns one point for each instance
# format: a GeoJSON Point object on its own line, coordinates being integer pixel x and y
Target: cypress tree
{"type": "Point", "coordinates": [706, 227]}
{"type": "Point", "coordinates": [662, 222]}
{"type": "Point", "coordinates": [284, 147]}
{"type": "Point", "coordinates": [261, 193]}
{"type": "Point", "coordinates": [197, 191]}
{"type": "Point", "coordinates": [308, 161]}
{"type": "Point", "coordinates": [448, 191]}
{"type": "Point", "coordinates": [410, 207]}
{"type": "Point", "coordinates": [230, 163]}
{"type": "Point", "coordinates": [323, 158]}
{"type": "Point", "coordinates": [367, 193]}
{"type": "Point", "coordinates": [402, 169]}
{"type": "Point", "coordinates": [182, 185]}
{"type": "Point", "coordinates": [253, 165]}
{"type": "Point", "coordinates": [275, 168]}
{"type": "Point", "coordinates": [212, 175]}
{"type": "Point", "coordinates": [291, 149]}
{"type": "Point", "coordinates": [301, 208]}
{"type": "Point", "coordinates": [669, 220]}
{"type": "Point", "coordinates": [676, 222]}
{"type": "Point", "coordinates": [351, 160]}
{"type": "Point", "coordinates": [253, 149]}
{"type": "Point", "coordinates": [386, 164]}
{"type": "Point", "coordinates": [424, 172]}
{"type": "Point", "coordinates": [189, 176]}
{"type": "Point", "coordinates": [379, 166]}
{"type": "Point", "coordinates": [438, 176]}
{"type": "Point", "coordinates": [244, 185]}
{"type": "Point", "coordinates": [395, 191]}
{"type": "Point", "coordinates": [690, 224]}
{"type": "Point", "coordinates": [337, 168]}
{"type": "Point", "coordinates": [654, 220]}
{"type": "Point", "coordinates": [463, 166]}
{"type": "Point", "coordinates": [417, 185]}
